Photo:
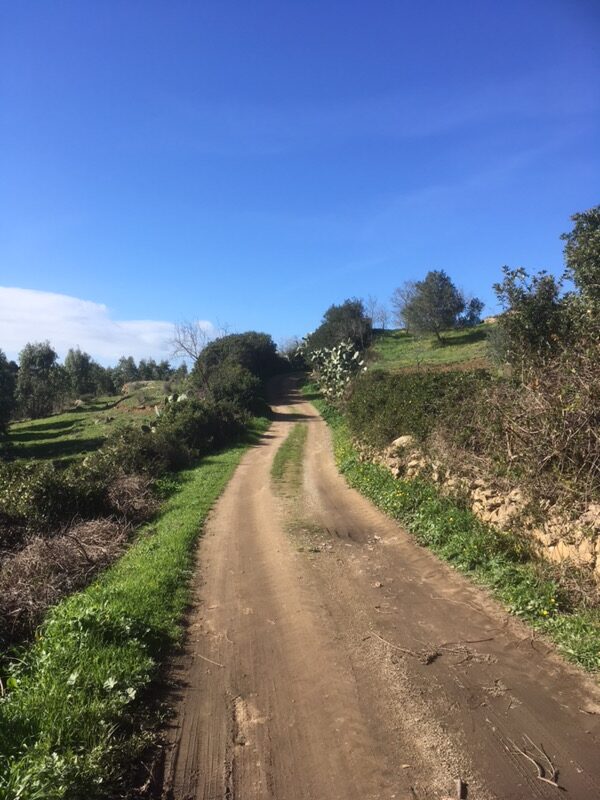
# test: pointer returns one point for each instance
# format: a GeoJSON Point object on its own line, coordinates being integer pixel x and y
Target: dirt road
{"type": "Point", "coordinates": [331, 658]}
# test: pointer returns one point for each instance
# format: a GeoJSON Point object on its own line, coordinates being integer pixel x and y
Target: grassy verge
{"type": "Point", "coordinates": [528, 587]}
{"type": "Point", "coordinates": [75, 707]}
{"type": "Point", "coordinates": [287, 464]}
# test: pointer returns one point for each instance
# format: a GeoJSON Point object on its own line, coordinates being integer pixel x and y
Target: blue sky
{"type": "Point", "coordinates": [249, 164]}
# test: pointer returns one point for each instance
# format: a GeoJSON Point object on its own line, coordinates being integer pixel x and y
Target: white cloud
{"type": "Point", "coordinates": [27, 315]}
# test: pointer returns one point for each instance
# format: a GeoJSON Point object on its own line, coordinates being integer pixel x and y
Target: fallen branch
{"type": "Point", "coordinates": [210, 661]}
{"type": "Point", "coordinates": [424, 656]}
{"type": "Point", "coordinates": [541, 772]}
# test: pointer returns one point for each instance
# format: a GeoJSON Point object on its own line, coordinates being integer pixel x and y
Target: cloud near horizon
{"type": "Point", "coordinates": [28, 315]}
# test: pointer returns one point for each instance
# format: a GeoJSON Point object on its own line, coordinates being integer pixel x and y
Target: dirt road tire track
{"type": "Point", "coordinates": [287, 690]}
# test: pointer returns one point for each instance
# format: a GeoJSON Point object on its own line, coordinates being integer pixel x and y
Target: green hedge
{"type": "Point", "coordinates": [383, 406]}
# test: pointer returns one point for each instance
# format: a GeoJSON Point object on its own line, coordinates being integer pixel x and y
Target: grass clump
{"type": "Point", "coordinates": [503, 562]}
{"type": "Point", "coordinates": [287, 464]}
{"type": "Point", "coordinates": [76, 705]}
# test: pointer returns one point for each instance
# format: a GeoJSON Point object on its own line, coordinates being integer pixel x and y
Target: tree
{"type": "Point", "coordinates": [103, 379]}
{"type": "Point", "coordinates": [472, 313]}
{"type": "Point", "coordinates": [79, 369]}
{"type": "Point", "coordinates": [582, 255]}
{"type": "Point", "coordinates": [432, 305]}
{"type": "Point", "coordinates": [400, 298]}
{"type": "Point", "coordinates": [8, 372]}
{"type": "Point", "coordinates": [126, 371]}
{"type": "Point", "coordinates": [382, 317]}
{"type": "Point", "coordinates": [38, 380]}
{"type": "Point", "coordinates": [189, 340]}
{"type": "Point", "coordinates": [346, 322]}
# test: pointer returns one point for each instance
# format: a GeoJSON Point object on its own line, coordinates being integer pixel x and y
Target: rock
{"type": "Point", "coordinates": [591, 517]}
{"type": "Point", "coordinates": [586, 552]}
{"type": "Point", "coordinates": [403, 442]}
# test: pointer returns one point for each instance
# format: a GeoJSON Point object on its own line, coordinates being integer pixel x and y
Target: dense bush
{"type": "Point", "coordinates": [346, 322]}
{"type": "Point", "coordinates": [383, 406]}
{"type": "Point", "coordinates": [202, 426]}
{"type": "Point", "coordinates": [233, 383]}
{"type": "Point", "coordinates": [39, 494]}
{"type": "Point", "coordinates": [535, 326]}
{"type": "Point", "coordinates": [254, 351]}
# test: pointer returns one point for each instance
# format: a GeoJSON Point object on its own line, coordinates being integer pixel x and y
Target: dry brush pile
{"type": "Point", "coordinates": [42, 560]}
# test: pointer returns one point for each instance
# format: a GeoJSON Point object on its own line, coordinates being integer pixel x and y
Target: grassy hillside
{"type": "Point", "coordinates": [397, 350]}
{"type": "Point", "coordinates": [82, 429]}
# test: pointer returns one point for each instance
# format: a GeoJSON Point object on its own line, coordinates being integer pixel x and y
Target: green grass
{"type": "Point", "coordinates": [287, 464]}
{"type": "Point", "coordinates": [77, 707]}
{"type": "Point", "coordinates": [397, 350]}
{"type": "Point", "coordinates": [528, 587]}
{"type": "Point", "coordinates": [69, 436]}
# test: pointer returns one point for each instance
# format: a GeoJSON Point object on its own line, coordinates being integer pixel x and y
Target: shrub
{"type": "Point", "coordinates": [233, 383]}
{"type": "Point", "coordinates": [135, 451]}
{"type": "Point", "coordinates": [382, 406]}
{"type": "Point", "coordinates": [534, 326]}
{"type": "Point", "coordinates": [201, 425]}
{"type": "Point", "coordinates": [254, 351]}
{"type": "Point", "coordinates": [40, 494]}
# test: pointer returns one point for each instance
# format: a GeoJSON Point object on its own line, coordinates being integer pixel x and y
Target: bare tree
{"type": "Point", "coordinates": [376, 313]}
{"type": "Point", "coordinates": [189, 340]}
{"type": "Point", "coordinates": [382, 317]}
{"type": "Point", "coordinates": [400, 299]}
{"type": "Point", "coordinates": [371, 305]}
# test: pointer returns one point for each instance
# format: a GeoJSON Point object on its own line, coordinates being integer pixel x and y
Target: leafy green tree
{"type": "Point", "coordinates": [472, 313]}
{"type": "Point", "coordinates": [346, 322]}
{"type": "Point", "coordinates": [126, 371]}
{"type": "Point", "coordinates": [38, 381]}
{"type": "Point", "coordinates": [432, 305]}
{"type": "Point", "coordinates": [582, 255]}
{"type": "Point", "coordinates": [8, 380]}
{"type": "Point", "coordinates": [80, 373]}
{"type": "Point", "coordinates": [181, 373]}
{"type": "Point", "coordinates": [103, 379]}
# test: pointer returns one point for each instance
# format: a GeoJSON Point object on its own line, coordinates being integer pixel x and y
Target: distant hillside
{"type": "Point", "coordinates": [396, 350]}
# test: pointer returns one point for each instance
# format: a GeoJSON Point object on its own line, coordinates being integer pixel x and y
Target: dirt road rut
{"type": "Point", "coordinates": [330, 658]}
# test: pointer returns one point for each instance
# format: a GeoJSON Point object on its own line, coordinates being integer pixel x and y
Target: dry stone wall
{"type": "Point", "coordinates": [556, 537]}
